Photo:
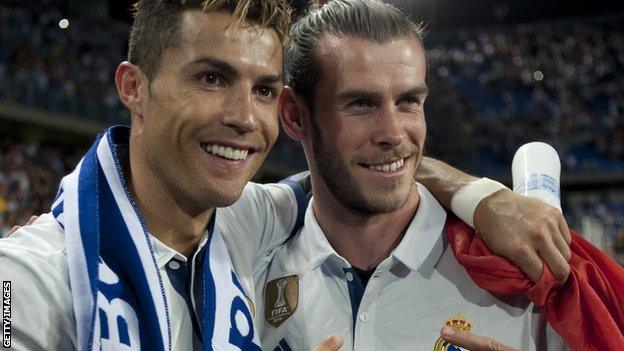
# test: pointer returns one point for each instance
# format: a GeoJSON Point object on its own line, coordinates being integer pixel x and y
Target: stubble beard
{"type": "Point", "coordinates": [345, 189]}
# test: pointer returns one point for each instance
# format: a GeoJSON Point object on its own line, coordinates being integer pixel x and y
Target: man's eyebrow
{"type": "Point", "coordinates": [221, 65]}
{"type": "Point", "coordinates": [272, 79]}
{"type": "Point", "coordinates": [418, 90]}
{"type": "Point", "coordinates": [231, 71]}
{"type": "Point", "coordinates": [358, 94]}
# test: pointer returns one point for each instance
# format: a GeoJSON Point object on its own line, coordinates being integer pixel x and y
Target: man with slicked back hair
{"type": "Point", "coordinates": [372, 261]}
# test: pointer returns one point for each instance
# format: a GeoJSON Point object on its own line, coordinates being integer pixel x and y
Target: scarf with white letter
{"type": "Point", "coordinates": [118, 293]}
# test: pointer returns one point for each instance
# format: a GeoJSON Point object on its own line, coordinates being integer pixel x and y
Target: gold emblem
{"type": "Point", "coordinates": [281, 297]}
{"type": "Point", "coordinates": [458, 322]}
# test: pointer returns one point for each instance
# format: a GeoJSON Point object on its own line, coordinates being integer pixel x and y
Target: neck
{"type": "Point", "coordinates": [364, 240]}
{"type": "Point", "coordinates": [171, 220]}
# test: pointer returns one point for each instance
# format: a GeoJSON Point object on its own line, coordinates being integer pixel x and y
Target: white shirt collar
{"type": "Point", "coordinates": [314, 240]}
{"type": "Point", "coordinates": [420, 249]}
{"type": "Point", "coordinates": [164, 253]}
{"type": "Point", "coordinates": [423, 243]}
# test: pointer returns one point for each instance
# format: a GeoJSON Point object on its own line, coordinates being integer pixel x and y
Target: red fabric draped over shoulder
{"type": "Point", "coordinates": [587, 311]}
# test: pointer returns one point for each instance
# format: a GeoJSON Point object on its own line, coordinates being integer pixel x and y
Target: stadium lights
{"type": "Point", "coordinates": [64, 23]}
{"type": "Point", "coordinates": [538, 76]}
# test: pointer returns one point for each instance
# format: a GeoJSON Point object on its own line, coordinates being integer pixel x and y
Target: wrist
{"type": "Point", "coordinates": [466, 199]}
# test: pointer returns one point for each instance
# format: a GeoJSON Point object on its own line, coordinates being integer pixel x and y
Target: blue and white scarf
{"type": "Point", "coordinates": [118, 294]}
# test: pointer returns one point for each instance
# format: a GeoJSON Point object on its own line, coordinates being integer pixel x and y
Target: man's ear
{"type": "Point", "coordinates": [132, 87]}
{"type": "Point", "coordinates": [294, 114]}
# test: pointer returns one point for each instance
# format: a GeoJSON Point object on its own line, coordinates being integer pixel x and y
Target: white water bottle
{"type": "Point", "coordinates": [536, 170]}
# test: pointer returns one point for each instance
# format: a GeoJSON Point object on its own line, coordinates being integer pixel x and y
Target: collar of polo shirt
{"type": "Point", "coordinates": [419, 250]}
{"type": "Point", "coordinates": [164, 253]}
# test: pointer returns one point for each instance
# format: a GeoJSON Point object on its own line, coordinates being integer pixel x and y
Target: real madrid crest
{"type": "Point", "coordinates": [281, 297]}
{"type": "Point", "coordinates": [458, 322]}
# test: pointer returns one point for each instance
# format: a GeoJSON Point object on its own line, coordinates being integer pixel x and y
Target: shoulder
{"type": "Point", "coordinates": [34, 263]}
{"type": "Point", "coordinates": [258, 199]}
{"type": "Point", "coordinates": [261, 192]}
{"type": "Point", "coordinates": [44, 240]}
{"type": "Point", "coordinates": [35, 255]}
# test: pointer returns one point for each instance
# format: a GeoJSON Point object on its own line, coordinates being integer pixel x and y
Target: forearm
{"type": "Point", "coordinates": [441, 179]}
{"type": "Point", "coordinates": [522, 229]}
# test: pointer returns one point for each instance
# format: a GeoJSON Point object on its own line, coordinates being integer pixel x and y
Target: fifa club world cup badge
{"type": "Point", "coordinates": [458, 322]}
{"type": "Point", "coordinates": [281, 299]}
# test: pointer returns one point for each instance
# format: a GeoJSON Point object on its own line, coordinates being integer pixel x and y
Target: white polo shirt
{"type": "Point", "coordinates": [34, 260]}
{"type": "Point", "coordinates": [310, 292]}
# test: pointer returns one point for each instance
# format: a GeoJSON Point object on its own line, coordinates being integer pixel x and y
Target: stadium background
{"type": "Point", "coordinates": [502, 73]}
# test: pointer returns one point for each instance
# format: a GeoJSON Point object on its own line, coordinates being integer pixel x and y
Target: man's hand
{"type": "Point", "coordinates": [16, 227]}
{"type": "Point", "coordinates": [332, 343]}
{"type": "Point", "coordinates": [472, 342]}
{"type": "Point", "coordinates": [525, 231]}
{"type": "Point", "coordinates": [521, 229]}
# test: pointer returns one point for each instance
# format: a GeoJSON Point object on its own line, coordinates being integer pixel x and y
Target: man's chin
{"type": "Point", "coordinates": [374, 205]}
{"type": "Point", "coordinates": [221, 194]}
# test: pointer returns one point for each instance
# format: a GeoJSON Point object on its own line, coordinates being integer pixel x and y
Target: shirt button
{"type": "Point", "coordinates": [349, 276]}
{"type": "Point", "coordinates": [364, 317]}
{"type": "Point", "coordinates": [174, 265]}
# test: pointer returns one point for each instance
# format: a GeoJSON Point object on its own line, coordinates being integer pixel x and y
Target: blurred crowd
{"type": "Point", "coordinates": [599, 216]}
{"type": "Point", "coordinates": [559, 82]}
{"type": "Point", "coordinates": [492, 88]}
{"type": "Point", "coordinates": [62, 70]}
{"type": "Point", "coordinates": [29, 177]}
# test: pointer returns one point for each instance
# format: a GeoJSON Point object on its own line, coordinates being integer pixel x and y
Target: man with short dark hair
{"type": "Point", "coordinates": [129, 258]}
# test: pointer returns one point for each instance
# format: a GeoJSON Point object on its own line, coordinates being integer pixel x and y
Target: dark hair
{"type": "Point", "coordinates": [367, 19]}
{"type": "Point", "coordinates": [156, 24]}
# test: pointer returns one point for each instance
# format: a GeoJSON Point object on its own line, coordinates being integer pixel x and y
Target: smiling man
{"type": "Point", "coordinates": [129, 258]}
{"type": "Point", "coordinates": [134, 253]}
{"type": "Point", "coordinates": [372, 261]}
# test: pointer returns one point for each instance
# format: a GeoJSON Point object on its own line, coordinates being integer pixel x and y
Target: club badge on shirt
{"type": "Point", "coordinates": [458, 322]}
{"type": "Point", "coordinates": [281, 299]}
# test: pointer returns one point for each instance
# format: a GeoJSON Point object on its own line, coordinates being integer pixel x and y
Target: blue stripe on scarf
{"type": "Point", "coordinates": [120, 135]}
{"type": "Point", "coordinates": [89, 217]}
{"type": "Point", "coordinates": [119, 253]}
{"type": "Point", "coordinates": [56, 211]}
{"type": "Point", "coordinates": [58, 194]}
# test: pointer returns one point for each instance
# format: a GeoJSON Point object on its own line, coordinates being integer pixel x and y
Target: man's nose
{"type": "Point", "coordinates": [240, 113]}
{"type": "Point", "coordinates": [389, 129]}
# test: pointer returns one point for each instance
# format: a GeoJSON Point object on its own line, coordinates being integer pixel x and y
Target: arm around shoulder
{"type": "Point", "coordinates": [522, 229]}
